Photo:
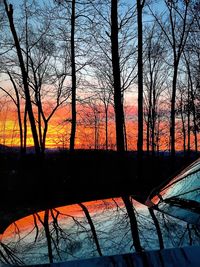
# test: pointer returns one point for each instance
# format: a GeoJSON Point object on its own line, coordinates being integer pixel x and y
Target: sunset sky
{"type": "Point", "coordinates": [59, 129]}
{"type": "Point", "coordinates": [52, 56]}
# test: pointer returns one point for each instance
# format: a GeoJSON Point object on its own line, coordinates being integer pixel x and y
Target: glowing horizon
{"type": "Point", "coordinates": [58, 134]}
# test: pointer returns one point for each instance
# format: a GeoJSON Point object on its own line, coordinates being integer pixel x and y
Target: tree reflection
{"type": "Point", "coordinates": [158, 229]}
{"type": "Point", "coordinates": [45, 223]}
{"type": "Point", "coordinates": [92, 229]}
{"type": "Point", "coordinates": [133, 223]}
{"type": "Point", "coordinates": [8, 255]}
{"type": "Point", "coordinates": [87, 214]}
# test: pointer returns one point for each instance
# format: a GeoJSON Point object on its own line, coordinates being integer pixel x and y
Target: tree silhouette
{"type": "Point", "coordinates": [9, 12]}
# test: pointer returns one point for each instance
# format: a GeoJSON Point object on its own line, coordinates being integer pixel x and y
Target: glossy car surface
{"type": "Point", "coordinates": [109, 232]}
{"type": "Point", "coordinates": [180, 197]}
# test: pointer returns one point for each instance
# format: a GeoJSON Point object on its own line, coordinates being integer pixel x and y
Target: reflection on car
{"type": "Point", "coordinates": [113, 232]}
{"type": "Point", "coordinates": [180, 197]}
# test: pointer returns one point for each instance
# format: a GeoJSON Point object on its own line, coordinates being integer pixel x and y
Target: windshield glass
{"type": "Point", "coordinates": [181, 196]}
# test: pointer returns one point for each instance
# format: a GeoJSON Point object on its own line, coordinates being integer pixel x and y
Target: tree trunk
{"type": "Point", "coordinates": [44, 136]}
{"type": "Point", "coordinates": [39, 125]}
{"type": "Point", "coordinates": [125, 136]}
{"type": "Point", "coordinates": [9, 12]}
{"type": "Point", "coordinates": [25, 128]}
{"type": "Point", "coordinates": [20, 130]}
{"type": "Point", "coordinates": [140, 80]}
{"type": "Point", "coordinates": [194, 120]}
{"type": "Point", "coordinates": [106, 125]}
{"type": "Point", "coordinates": [193, 106]}
{"type": "Point", "coordinates": [118, 104]}
{"type": "Point", "coordinates": [153, 121]}
{"type": "Point", "coordinates": [73, 69]}
{"type": "Point", "coordinates": [173, 113]}
{"type": "Point", "coordinates": [95, 132]}
{"type": "Point", "coordinates": [188, 119]}
{"type": "Point", "coordinates": [149, 119]}
{"type": "Point", "coordinates": [148, 133]}
{"type": "Point", "coordinates": [183, 129]}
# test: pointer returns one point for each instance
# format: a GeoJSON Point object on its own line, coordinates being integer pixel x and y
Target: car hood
{"type": "Point", "coordinates": [92, 229]}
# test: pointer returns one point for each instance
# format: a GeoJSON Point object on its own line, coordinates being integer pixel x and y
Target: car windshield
{"type": "Point", "coordinates": [181, 196]}
{"type": "Point", "coordinates": [92, 229]}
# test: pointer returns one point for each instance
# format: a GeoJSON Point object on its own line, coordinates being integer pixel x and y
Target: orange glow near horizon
{"type": "Point", "coordinates": [59, 130]}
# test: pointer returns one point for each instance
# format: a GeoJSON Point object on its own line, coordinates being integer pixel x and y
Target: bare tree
{"type": "Point", "coordinates": [114, 56]}
{"type": "Point", "coordinates": [155, 75]}
{"type": "Point", "coordinates": [47, 80]}
{"type": "Point", "coordinates": [45, 69]}
{"type": "Point", "coordinates": [9, 13]}
{"type": "Point", "coordinates": [176, 29]}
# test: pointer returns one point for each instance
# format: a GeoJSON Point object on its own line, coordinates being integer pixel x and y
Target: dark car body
{"type": "Point", "coordinates": [180, 197]}
{"type": "Point", "coordinates": [113, 232]}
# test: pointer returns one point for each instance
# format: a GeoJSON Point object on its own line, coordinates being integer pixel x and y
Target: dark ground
{"type": "Point", "coordinates": [29, 184]}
